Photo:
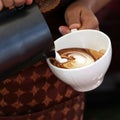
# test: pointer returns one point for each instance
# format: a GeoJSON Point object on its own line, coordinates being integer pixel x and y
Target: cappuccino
{"type": "Point", "coordinates": [77, 57]}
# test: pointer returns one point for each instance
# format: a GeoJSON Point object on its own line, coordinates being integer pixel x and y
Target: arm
{"type": "Point", "coordinates": [95, 5]}
{"type": "Point", "coordinates": [81, 15]}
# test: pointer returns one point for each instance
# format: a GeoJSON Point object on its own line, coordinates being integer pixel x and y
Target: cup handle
{"type": "Point", "coordinates": [74, 30]}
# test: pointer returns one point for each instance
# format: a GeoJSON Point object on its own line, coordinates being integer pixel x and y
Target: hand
{"type": "Point", "coordinates": [13, 3]}
{"type": "Point", "coordinates": [79, 16]}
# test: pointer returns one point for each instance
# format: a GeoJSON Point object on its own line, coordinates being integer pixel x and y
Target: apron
{"type": "Point", "coordinates": [35, 93]}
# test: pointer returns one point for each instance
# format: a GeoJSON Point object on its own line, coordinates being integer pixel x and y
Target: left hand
{"type": "Point", "coordinates": [13, 3]}
{"type": "Point", "coordinates": [79, 16]}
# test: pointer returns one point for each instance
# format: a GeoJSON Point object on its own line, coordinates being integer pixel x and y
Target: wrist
{"type": "Point", "coordinates": [94, 5]}
{"type": "Point", "coordinates": [88, 3]}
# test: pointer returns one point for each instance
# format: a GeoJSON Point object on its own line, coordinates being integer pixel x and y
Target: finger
{"type": "Point", "coordinates": [28, 2]}
{"type": "Point", "coordinates": [1, 5]}
{"type": "Point", "coordinates": [19, 2]}
{"type": "Point", "coordinates": [90, 24]}
{"type": "Point", "coordinates": [8, 3]}
{"type": "Point", "coordinates": [97, 28]}
{"type": "Point", "coordinates": [73, 20]}
{"type": "Point", "coordinates": [64, 30]}
{"type": "Point", "coordinates": [75, 26]}
{"type": "Point", "coordinates": [89, 21]}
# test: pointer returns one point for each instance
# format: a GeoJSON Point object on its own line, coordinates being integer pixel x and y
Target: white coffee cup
{"type": "Point", "coordinates": [91, 76]}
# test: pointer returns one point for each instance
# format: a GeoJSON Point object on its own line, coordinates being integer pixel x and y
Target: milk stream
{"type": "Point", "coordinates": [59, 59]}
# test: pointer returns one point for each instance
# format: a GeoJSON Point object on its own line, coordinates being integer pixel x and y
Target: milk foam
{"type": "Point", "coordinates": [76, 57]}
{"type": "Point", "coordinates": [79, 60]}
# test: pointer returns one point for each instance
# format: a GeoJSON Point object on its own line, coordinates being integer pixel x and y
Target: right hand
{"type": "Point", "coordinates": [79, 16]}
{"type": "Point", "coordinates": [13, 3]}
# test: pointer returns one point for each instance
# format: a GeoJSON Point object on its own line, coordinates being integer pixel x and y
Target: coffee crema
{"type": "Point", "coordinates": [77, 57]}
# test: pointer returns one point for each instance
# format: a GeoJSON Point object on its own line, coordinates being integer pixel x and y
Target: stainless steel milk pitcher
{"type": "Point", "coordinates": [24, 36]}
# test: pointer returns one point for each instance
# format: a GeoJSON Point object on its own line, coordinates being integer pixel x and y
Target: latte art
{"type": "Point", "coordinates": [77, 57]}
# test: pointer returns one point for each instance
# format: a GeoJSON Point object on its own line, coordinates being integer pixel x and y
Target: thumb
{"type": "Point", "coordinates": [64, 30]}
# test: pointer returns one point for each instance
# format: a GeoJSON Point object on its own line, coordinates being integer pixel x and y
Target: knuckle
{"type": "Point", "coordinates": [1, 5]}
{"type": "Point", "coordinates": [19, 2]}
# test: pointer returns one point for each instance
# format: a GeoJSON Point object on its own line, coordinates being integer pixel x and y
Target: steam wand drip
{"type": "Point", "coordinates": [59, 59]}
{"type": "Point", "coordinates": [56, 55]}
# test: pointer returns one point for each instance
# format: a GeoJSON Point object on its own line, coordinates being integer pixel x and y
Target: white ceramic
{"type": "Point", "coordinates": [89, 77]}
